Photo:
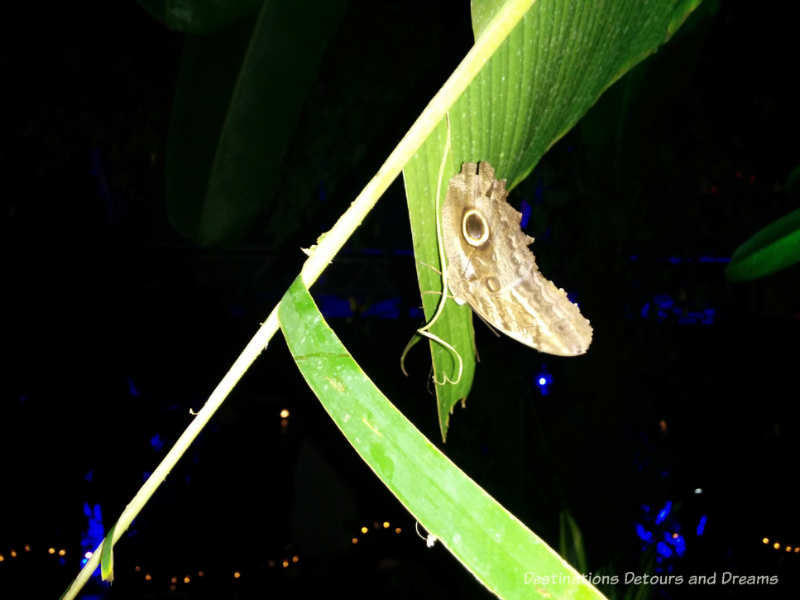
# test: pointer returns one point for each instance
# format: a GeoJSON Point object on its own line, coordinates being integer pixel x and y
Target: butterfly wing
{"type": "Point", "coordinates": [490, 266]}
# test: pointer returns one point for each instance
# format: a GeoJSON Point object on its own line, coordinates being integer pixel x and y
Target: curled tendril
{"type": "Point", "coordinates": [424, 330]}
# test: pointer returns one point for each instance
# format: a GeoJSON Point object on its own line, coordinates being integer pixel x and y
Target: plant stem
{"type": "Point", "coordinates": [321, 256]}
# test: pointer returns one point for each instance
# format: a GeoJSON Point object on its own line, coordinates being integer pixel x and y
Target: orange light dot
{"type": "Point", "coordinates": [2, 558]}
{"type": "Point", "coordinates": [201, 573]}
{"type": "Point", "coordinates": [386, 524]}
{"type": "Point", "coordinates": [186, 579]}
{"type": "Point", "coordinates": [776, 545]}
{"type": "Point", "coordinates": [674, 536]}
{"type": "Point", "coordinates": [173, 580]}
{"type": "Point", "coordinates": [147, 577]}
{"type": "Point", "coordinates": [62, 552]}
{"type": "Point", "coordinates": [765, 540]}
{"type": "Point", "coordinates": [284, 414]}
{"type": "Point", "coordinates": [236, 574]}
{"type": "Point", "coordinates": [364, 530]}
{"type": "Point", "coordinates": [13, 554]}
{"type": "Point", "coordinates": [796, 549]}
{"type": "Point", "coordinates": [354, 540]}
{"type": "Point", "coordinates": [788, 548]}
{"type": "Point", "coordinates": [295, 558]}
{"type": "Point", "coordinates": [27, 548]}
{"type": "Point", "coordinates": [137, 568]}
{"type": "Point", "coordinates": [397, 530]}
{"type": "Point", "coordinates": [285, 563]}
{"type": "Point", "coordinates": [51, 550]}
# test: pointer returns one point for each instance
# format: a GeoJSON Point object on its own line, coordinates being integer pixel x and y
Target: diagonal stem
{"type": "Point", "coordinates": [319, 258]}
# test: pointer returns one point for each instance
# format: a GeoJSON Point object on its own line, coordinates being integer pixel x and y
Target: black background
{"type": "Point", "coordinates": [114, 326]}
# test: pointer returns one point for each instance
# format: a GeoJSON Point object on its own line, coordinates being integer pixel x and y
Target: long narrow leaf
{"type": "Point", "coordinates": [239, 97]}
{"type": "Point", "coordinates": [771, 249]}
{"type": "Point", "coordinates": [490, 542]}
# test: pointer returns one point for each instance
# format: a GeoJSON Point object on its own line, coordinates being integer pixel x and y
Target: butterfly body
{"type": "Point", "coordinates": [490, 267]}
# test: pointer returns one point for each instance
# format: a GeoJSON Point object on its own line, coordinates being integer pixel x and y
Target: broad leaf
{"type": "Point", "coordinates": [238, 101]}
{"type": "Point", "coordinates": [545, 76]}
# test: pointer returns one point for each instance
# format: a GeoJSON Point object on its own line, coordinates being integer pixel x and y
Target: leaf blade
{"type": "Point", "coordinates": [541, 80]}
{"type": "Point", "coordinates": [771, 249]}
{"type": "Point", "coordinates": [239, 98]}
{"type": "Point", "coordinates": [488, 540]}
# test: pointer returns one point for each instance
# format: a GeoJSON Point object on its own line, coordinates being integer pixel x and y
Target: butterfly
{"type": "Point", "coordinates": [491, 268]}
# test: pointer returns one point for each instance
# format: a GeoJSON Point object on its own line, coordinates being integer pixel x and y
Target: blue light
{"type": "Point", "coordinates": [645, 310]}
{"type": "Point", "coordinates": [679, 544]}
{"type": "Point", "coordinates": [386, 309]}
{"type": "Point", "coordinates": [156, 442]}
{"type": "Point", "coordinates": [664, 300]}
{"type": "Point", "coordinates": [132, 390]}
{"type": "Point", "coordinates": [415, 313]}
{"type": "Point", "coordinates": [94, 533]}
{"type": "Point", "coordinates": [643, 534]}
{"type": "Point", "coordinates": [663, 549]}
{"type": "Point", "coordinates": [701, 526]}
{"type": "Point", "coordinates": [526, 214]}
{"type": "Point", "coordinates": [572, 297]}
{"type": "Point", "coordinates": [543, 381]}
{"type": "Point", "coordinates": [662, 514]}
{"type": "Point", "coordinates": [333, 307]}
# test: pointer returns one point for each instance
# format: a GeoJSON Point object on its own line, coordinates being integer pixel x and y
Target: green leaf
{"type": "Point", "coordinates": [570, 542]}
{"type": "Point", "coordinates": [617, 132]}
{"type": "Point", "coordinates": [107, 556]}
{"type": "Point", "coordinates": [775, 247]}
{"type": "Point", "coordinates": [200, 16]}
{"type": "Point", "coordinates": [554, 65]}
{"type": "Point", "coordinates": [455, 323]}
{"type": "Point", "coordinates": [488, 540]}
{"type": "Point", "coordinates": [237, 103]}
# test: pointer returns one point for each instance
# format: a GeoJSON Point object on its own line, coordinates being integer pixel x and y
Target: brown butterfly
{"type": "Point", "coordinates": [490, 267]}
